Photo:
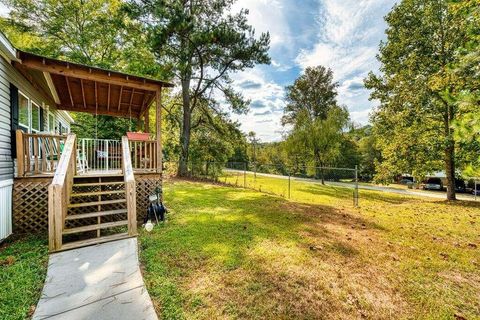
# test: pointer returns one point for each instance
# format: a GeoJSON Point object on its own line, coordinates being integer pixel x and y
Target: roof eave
{"type": "Point", "coordinates": [7, 50]}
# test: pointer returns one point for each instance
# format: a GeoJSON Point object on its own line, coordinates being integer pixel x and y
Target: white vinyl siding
{"type": "Point", "coordinates": [5, 208]}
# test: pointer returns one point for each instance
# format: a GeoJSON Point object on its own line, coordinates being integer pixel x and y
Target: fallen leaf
{"type": "Point", "coordinates": [8, 261]}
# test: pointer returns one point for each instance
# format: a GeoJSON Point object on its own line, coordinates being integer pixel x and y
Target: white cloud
{"type": "Point", "coordinates": [340, 34]}
{"type": "Point", "coordinates": [350, 31]}
{"type": "Point", "coordinates": [267, 104]}
{"type": "Point", "coordinates": [268, 16]}
{"type": "Point", "coordinates": [4, 10]}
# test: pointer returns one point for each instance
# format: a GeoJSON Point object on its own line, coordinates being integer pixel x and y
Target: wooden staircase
{"type": "Point", "coordinates": [86, 210]}
{"type": "Point", "coordinates": [97, 211]}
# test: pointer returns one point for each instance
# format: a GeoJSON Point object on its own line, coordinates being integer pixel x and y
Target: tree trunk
{"type": "Point", "coordinates": [449, 153]}
{"type": "Point", "coordinates": [319, 174]}
{"type": "Point", "coordinates": [186, 130]}
{"type": "Point", "coordinates": [450, 171]}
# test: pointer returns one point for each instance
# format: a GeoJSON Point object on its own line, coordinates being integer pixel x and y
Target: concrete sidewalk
{"type": "Point", "coordinates": [96, 282]}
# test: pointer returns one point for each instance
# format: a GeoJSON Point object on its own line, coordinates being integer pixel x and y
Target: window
{"type": "Point", "coordinates": [29, 114]}
{"type": "Point", "coordinates": [61, 128]}
{"type": "Point", "coordinates": [51, 122]}
{"type": "Point", "coordinates": [35, 117]}
{"type": "Point", "coordinates": [23, 112]}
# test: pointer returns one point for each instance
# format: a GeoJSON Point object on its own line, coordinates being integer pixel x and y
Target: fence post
{"type": "Point", "coordinates": [245, 175]}
{"type": "Point", "coordinates": [107, 153]}
{"type": "Point", "coordinates": [356, 187]}
{"type": "Point", "coordinates": [289, 183]}
{"type": "Point", "coordinates": [475, 189]}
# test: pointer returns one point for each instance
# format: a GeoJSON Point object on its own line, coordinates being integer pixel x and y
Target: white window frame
{"type": "Point", "coordinates": [29, 115]}
{"type": "Point", "coordinates": [50, 114]}
{"type": "Point", "coordinates": [35, 105]}
{"type": "Point", "coordinates": [30, 105]}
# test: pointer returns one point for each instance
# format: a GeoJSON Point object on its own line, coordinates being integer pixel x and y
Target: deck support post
{"type": "Point", "coordinates": [146, 126]}
{"type": "Point", "coordinates": [158, 132]}
{"type": "Point", "coordinates": [20, 153]}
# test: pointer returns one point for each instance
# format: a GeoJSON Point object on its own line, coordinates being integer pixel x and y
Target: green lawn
{"type": "Point", "coordinates": [233, 253]}
{"type": "Point", "coordinates": [23, 266]}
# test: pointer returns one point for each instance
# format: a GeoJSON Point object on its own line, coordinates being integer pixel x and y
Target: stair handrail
{"type": "Point", "coordinates": [130, 189]}
{"type": "Point", "coordinates": [59, 193]}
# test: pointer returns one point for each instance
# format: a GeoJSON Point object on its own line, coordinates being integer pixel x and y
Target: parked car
{"type": "Point", "coordinates": [460, 185]}
{"type": "Point", "coordinates": [406, 180]}
{"type": "Point", "coordinates": [433, 184]}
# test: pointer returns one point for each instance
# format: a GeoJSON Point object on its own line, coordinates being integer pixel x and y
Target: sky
{"type": "Point", "coordinates": [343, 35]}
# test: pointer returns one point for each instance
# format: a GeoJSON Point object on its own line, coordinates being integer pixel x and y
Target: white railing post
{"type": "Point", "coordinates": [130, 188]}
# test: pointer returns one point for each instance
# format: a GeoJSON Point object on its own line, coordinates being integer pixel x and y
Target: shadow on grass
{"type": "Point", "coordinates": [250, 238]}
{"type": "Point", "coordinates": [459, 203]}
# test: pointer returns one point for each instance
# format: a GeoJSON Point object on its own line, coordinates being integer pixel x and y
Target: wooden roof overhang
{"type": "Point", "coordinates": [82, 88]}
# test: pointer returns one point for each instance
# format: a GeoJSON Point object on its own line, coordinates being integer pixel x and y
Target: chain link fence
{"type": "Point", "coordinates": [281, 180]}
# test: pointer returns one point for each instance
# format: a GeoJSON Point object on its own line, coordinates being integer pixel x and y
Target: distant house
{"type": "Point", "coordinates": [26, 102]}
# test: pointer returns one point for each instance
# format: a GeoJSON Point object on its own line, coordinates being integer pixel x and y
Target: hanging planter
{"type": "Point", "coordinates": [138, 136]}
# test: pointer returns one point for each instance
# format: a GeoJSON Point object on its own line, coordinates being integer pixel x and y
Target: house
{"type": "Point", "coordinates": [23, 105]}
{"type": "Point", "coordinates": [82, 191]}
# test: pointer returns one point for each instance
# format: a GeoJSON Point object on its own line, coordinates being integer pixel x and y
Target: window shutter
{"type": "Point", "coordinates": [42, 119]}
{"type": "Point", "coordinates": [13, 117]}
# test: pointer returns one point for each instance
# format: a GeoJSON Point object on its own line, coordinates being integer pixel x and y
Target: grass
{"type": "Point", "coordinates": [241, 254]}
{"type": "Point", "coordinates": [23, 266]}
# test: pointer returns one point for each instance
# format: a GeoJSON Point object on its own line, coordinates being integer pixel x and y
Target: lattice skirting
{"type": "Point", "coordinates": [30, 205]}
{"type": "Point", "coordinates": [30, 202]}
{"type": "Point", "coordinates": [146, 185]}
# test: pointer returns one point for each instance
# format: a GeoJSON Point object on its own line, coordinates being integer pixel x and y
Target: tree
{"type": "Point", "coordinates": [467, 126]}
{"type": "Point", "coordinates": [217, 140]}
{"type": "Point", "coordinates": [415, 118]}
{"type": "Point", "coordinates": [95, 32]}
{"type": "Point", "coordinates": [317, 121]}
{"type": "Point", "coordinates": [203, 42]}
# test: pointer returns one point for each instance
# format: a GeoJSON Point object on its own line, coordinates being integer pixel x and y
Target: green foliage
{"type": "Point", "coordinates": [413, 123]}
{"type": "Point", "coordinates": [202, 42]}
{"type": "Point", "coordinates": [96, 32]}
{"type": "Point", "coordinates": [316, 119]}
{"type": "Point", "coordinates": [104, 127]}
{"type": "Point", "coordinates": [215, 138]}
{"type": "Point", "coordinates": [467, 67]}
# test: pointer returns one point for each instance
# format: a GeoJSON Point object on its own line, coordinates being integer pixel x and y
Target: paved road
{"type": "Point", "coordinates": [409, 192]}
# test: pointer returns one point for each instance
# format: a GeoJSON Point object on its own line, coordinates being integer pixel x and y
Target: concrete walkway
{"type": "Point", "coordinates": [97, 282]}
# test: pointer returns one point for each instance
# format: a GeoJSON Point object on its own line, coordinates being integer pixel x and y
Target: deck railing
{"type": "Point", "coordinates": [59, 193]}
{"type": "Point", "coordinates": [144, 155]}
{"type": "Point", "coordinates": [38, 153]}
{"type": "Point", "coordinates": [99, 155]}
{"type": "Point", "coordinates": [130, 191]}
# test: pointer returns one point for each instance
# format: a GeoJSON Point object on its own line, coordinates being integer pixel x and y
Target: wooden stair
{"type": "Point", "coordinates": [97, 211]}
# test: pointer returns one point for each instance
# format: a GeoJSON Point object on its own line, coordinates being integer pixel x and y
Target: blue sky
{"type": "Point", "coordinates": [343, 35]}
